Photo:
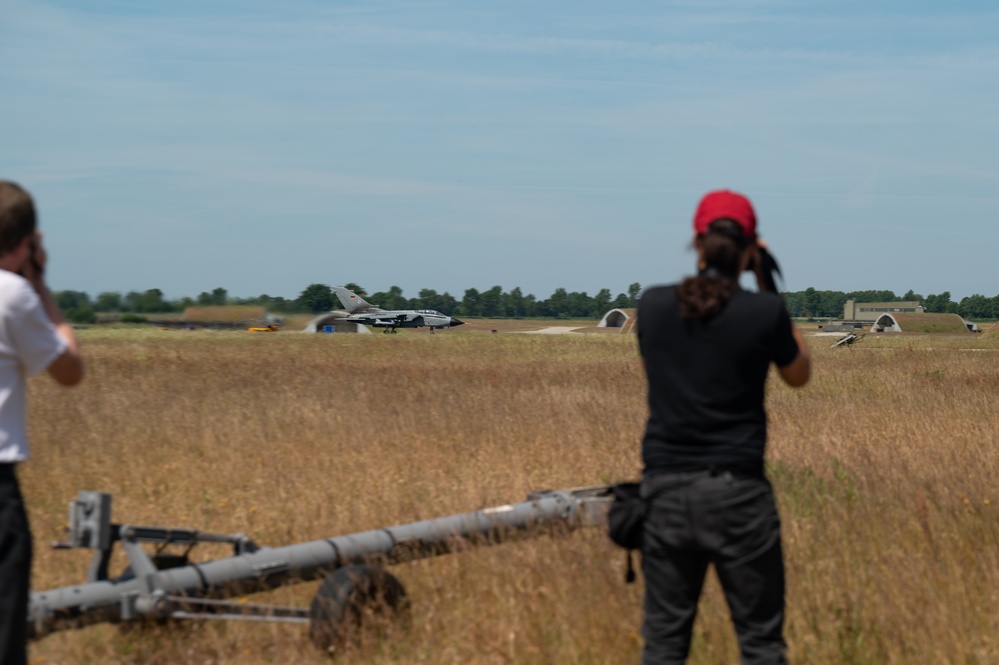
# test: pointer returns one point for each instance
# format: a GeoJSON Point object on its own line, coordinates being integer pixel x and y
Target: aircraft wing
{"type": "Point", "coordinates": [397, 319]}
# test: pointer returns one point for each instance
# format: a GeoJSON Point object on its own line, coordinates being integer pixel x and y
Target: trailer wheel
{"type": "Point", "coordinates": [353, 603]}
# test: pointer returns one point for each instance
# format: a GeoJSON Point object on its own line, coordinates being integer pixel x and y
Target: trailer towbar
{"type": "Point", "coordinates": [166, 586]}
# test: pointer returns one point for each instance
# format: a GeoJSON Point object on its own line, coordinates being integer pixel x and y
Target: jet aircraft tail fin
{"type": "Point", "coordinates": [353, 302]}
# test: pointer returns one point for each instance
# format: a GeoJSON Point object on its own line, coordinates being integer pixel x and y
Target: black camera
{"type": "Point", "coordinates": [768, 269]}
{"type": "Point", "coordinates": [33, 257]}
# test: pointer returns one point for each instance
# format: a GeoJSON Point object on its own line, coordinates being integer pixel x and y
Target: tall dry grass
{"type": "Point", "coordinates": [885, 468]}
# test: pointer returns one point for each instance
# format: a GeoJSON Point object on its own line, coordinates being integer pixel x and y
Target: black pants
{"type": "Point", "coordinates": [15, 570]}
{"type": "Point", "coordinates": [702, 518]}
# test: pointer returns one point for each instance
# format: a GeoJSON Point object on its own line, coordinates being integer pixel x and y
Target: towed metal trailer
{"type": "Point", "coordinates": [164, 586]}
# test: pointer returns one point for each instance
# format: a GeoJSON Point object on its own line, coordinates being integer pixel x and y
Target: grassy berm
{"type": "Point", "coordinates": [885, 467]}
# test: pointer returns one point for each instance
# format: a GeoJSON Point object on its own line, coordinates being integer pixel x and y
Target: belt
{"type": "Point", "coordinates": [735, 474]}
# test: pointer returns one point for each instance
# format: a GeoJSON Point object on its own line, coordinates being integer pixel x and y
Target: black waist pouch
{"type": "Point", "coordinates": [626, 521]}
{"type": "Point", "coordinates": [626, 517]}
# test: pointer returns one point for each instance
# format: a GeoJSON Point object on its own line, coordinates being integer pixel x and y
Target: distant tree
{"type": "Point", "coordinates": [108, 302]}
{"type": "Point", "coordinates": [214, 298]}
{"type": "Point", "coordinates": [153, 301]}
{"type": "Point", "coordinates": [578, 305]}
{"type": "Point", "coordinates": [427, 299]}
{"type": "Point", "coordinates": [516, 305]}
{"type": "Point", "coordinates": [831, 304]}
{"type": "Point", "coordinates": [471, 304]}
{"type": "Point", "coordinates": [277, 304]}
{"type": "Point", "coordinates": [129, 317]}
{"type": "Point", "coordinates": [911, 295]}
{"type": "Point", "coordinates": [396, 300]}
{"type": "Point", "coordinates": [84, 314]}
{"type": "Point", "coordinates": [633, 292]}
{"type": "Point", "coordinates": [557, 304]}
{"type": "Point", "coordinates": [131, 301]}
{"type": "Point", "coordinates": [978, 307]}
{"type": "Point", "coordinates": [391, 299]}
{"type": "Point", "coordinates": [530, 305]}
{"type": "Point", "coordinates": [71, 299]}
{"type": "Point", "coordinates": [147, 302]}
{"type": "Point", "coordinates": [812, 302]}
{"type": "Point", "coordinates": [873, 296]}
{"type": "Point", "coordinates": [448, 303]}
{"type": "Point", "coordinates": [316, 298]}
{"type": "Point", "coordinates": [491, 302]}
{"type": "Point", "coordinates": [794, 301]}
{"type": "Point", "coordinates": [937, 303]}
{"type": "Point", "coordinates": [601, 303]}
{"type": "Point", "coordinates": [355, 288]}
{"type": "Point", "coordinates": [157, 303]}
{"type": "Point", "coordinates": [622, 301]}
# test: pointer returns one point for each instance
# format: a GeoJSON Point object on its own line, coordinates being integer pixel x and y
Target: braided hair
{"type": "Point", "coordinates": [705, 294]}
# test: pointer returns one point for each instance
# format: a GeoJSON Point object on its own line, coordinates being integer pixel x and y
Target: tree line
{"type": "Point", "coordinates": [829, 304]}
{"type": "Point", "coordinates": [79, 307]}
{"type": "Point", "coordinates": [492, 303]}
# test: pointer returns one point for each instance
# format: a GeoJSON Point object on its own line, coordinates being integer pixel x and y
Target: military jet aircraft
{"type": "Point", "coordinates": [361, 311]}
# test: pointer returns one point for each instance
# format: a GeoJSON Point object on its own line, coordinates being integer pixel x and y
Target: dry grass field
{"type": "Point", "coordinates": [885, 468]}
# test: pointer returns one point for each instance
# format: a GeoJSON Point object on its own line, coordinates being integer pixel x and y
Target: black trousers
{"type": "Point", "coordinates": [701, 518]}
{"type": "Point", "coordinates": [15, 570]}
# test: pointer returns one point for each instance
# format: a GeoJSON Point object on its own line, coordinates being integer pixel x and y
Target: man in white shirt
{"type": "Point", "coordinates": [34, 337]}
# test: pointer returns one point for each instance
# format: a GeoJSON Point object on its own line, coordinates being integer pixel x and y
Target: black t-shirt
{"type": "Point", "coordinates": [706, 380]}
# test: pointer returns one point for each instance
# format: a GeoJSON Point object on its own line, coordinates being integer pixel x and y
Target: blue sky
{"type": "Point", "coordinates": [262, 147]}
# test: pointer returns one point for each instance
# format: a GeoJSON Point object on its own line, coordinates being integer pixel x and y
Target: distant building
{"type": "Point", "coordinates": [871, 311]}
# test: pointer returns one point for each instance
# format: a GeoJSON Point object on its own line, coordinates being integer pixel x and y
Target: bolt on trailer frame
{"type": "Point", "coordinates": [165, 586]}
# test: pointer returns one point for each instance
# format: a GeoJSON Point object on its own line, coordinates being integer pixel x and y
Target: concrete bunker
{"type": "Point", "coordinates": [618, 318]}
{"type": "Point", "coordinates": [335, 322]}
{"type": "Point", "coordinates": [920, 323]}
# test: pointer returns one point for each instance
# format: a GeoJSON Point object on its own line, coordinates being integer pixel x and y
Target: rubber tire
{"type": "Point", "coordinates": [353, 602]}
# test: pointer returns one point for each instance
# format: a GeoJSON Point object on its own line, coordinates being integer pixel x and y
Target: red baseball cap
{"type": "Point", "coordinates": [725, 204]}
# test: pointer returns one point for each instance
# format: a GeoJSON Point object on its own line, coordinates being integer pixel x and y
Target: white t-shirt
{"type": "Point", "coordinates": [28, 345]}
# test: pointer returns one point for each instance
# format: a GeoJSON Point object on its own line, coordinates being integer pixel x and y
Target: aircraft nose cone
{"type": "Point", "coordinates": [457, 322]}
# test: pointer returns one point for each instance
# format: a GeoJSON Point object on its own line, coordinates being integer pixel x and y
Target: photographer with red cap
{"type": "Point", "coordinates": [707, 346]}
